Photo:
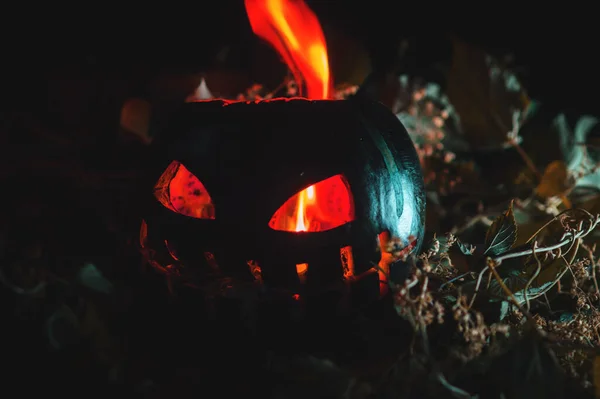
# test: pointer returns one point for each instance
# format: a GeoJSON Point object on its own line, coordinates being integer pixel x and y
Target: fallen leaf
{"type": "Point", "coordinates": [95, 329]}
{"type": "Point", "coordinates": [555, 180]}
{"type": "Point", "coordinates": [484, 102]}
{"type": "Point", "coordinates": [551, 271]}
{"type": "Point", "coordinates": [529, 369]}
{"type": "Point", "coordinates": [596, 378]}
{"type": "Point", "coordinates": [135, 118]}
{"type": "Point", "coordinates": [502, 234]}
{"type": "Point", "coordinates": [466, 249]}
{"type": "Point", "coordinates": [349, 60]}
{"type": "Point", "coordinates": [93, 279]}
{"type": "Point", "coordinates": [592, 205]}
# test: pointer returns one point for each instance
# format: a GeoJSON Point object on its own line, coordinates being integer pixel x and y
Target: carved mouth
{"type": "Point", "coordinates": [313, 278]}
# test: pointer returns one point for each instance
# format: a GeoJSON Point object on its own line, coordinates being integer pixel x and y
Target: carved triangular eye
{"type": "Point", "coordinates": [320, 207]}
{"type": "Point", "coordinates": [182, 192]}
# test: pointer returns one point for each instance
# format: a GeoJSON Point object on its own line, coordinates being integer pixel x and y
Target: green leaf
{"type": "Point", "coordinates": [533, 292]}
{"type": "Point", "coordinates": [550, 273]}
{"type": "Point", "coordinates": [93, 279]}
{"type": "Point", "coordinates": [532, 109]}
{"type": "Point", "coordinates": [502, 234]}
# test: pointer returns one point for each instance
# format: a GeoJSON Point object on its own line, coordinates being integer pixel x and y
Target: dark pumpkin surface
{"type": "Point", "coordinates": [252, 157]}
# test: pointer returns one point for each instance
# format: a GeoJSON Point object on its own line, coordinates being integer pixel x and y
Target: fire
{"type": "Point", "coordinates": [321, 206]}
{"type": "Point", "coordinates": [295, 32]}
{"type": "Point", "coordinates": [305, 198]}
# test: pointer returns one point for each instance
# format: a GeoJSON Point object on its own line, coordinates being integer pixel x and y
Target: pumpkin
{"type": "Point", "coordinates": [299, 194]}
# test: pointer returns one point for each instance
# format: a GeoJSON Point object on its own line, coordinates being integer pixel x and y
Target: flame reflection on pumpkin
{"type": "Point", "coordinates": [181, 191]}
{"type": "Point", "coordinates": [295, 32]}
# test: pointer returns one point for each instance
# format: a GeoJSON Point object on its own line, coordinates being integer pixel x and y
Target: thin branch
{"type": "Point", "coordinates": [534, 276]}
{"type": "Point", "coordinates": [568, 238]}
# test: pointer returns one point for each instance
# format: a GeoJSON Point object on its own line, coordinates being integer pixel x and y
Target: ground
{"type": "Point", "coordinates": [501, 302]}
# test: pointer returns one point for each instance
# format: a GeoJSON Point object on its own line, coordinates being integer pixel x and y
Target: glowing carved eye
{"type": "Point", "coordinates": [323, 206]}
{"type": "Point", "coordinates": [182, 192]}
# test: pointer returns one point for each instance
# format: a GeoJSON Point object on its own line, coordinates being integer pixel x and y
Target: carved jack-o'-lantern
{"type": "Point", "coordinates": [299, 194]}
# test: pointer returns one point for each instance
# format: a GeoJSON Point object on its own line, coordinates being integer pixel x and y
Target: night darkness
{"type": "Point", "coordinates": [67, 73]}
{"type": "Point", "coordinates": [559, 52]}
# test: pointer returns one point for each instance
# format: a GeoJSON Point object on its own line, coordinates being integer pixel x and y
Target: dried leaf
{"type": "Point", "coordinates": [550, 273]}
{"type": "Point", "coordinates": [62, 327]}
{"type": "Point", "coordinates": [349, 59]}
{"type": "Point", "coordinates": [484, 100]}
{"type": "Point", "coordinates": [532, 370]}
{"type": "Point", "coordinates": [468, 88]}
{"type": "Point", "coordinates": [555, 180]}
{"type": "Point", "coordinates": [513, 277]}
{"type": "Point", "coordinates": [96, 330]}
{"type": "Point", "coordinates": [592, 205]}
{"type": "Point", "coordinates": [93, 279]}
{"type": "Point", "coordinates": [135, 118]}
{"type": "Point", "coordinates": [596, 376]}
{"type": "Point", "coordinates": [466, 249]}
{"type": "Point", "coordinates": [502, 234]}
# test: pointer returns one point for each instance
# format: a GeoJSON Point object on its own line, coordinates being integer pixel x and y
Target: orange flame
{"type": "Point", "coordinates": [322, 206]}
{"type": "Point", "coordinates": [294, 30]}
{"type": "Point", "coordinates": [305, 197]}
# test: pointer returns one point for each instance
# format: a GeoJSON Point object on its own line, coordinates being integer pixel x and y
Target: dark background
{"type": "Point", "coordinates": [558, 45]}
{"type": "Point", "coordinates": [66, 71]}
